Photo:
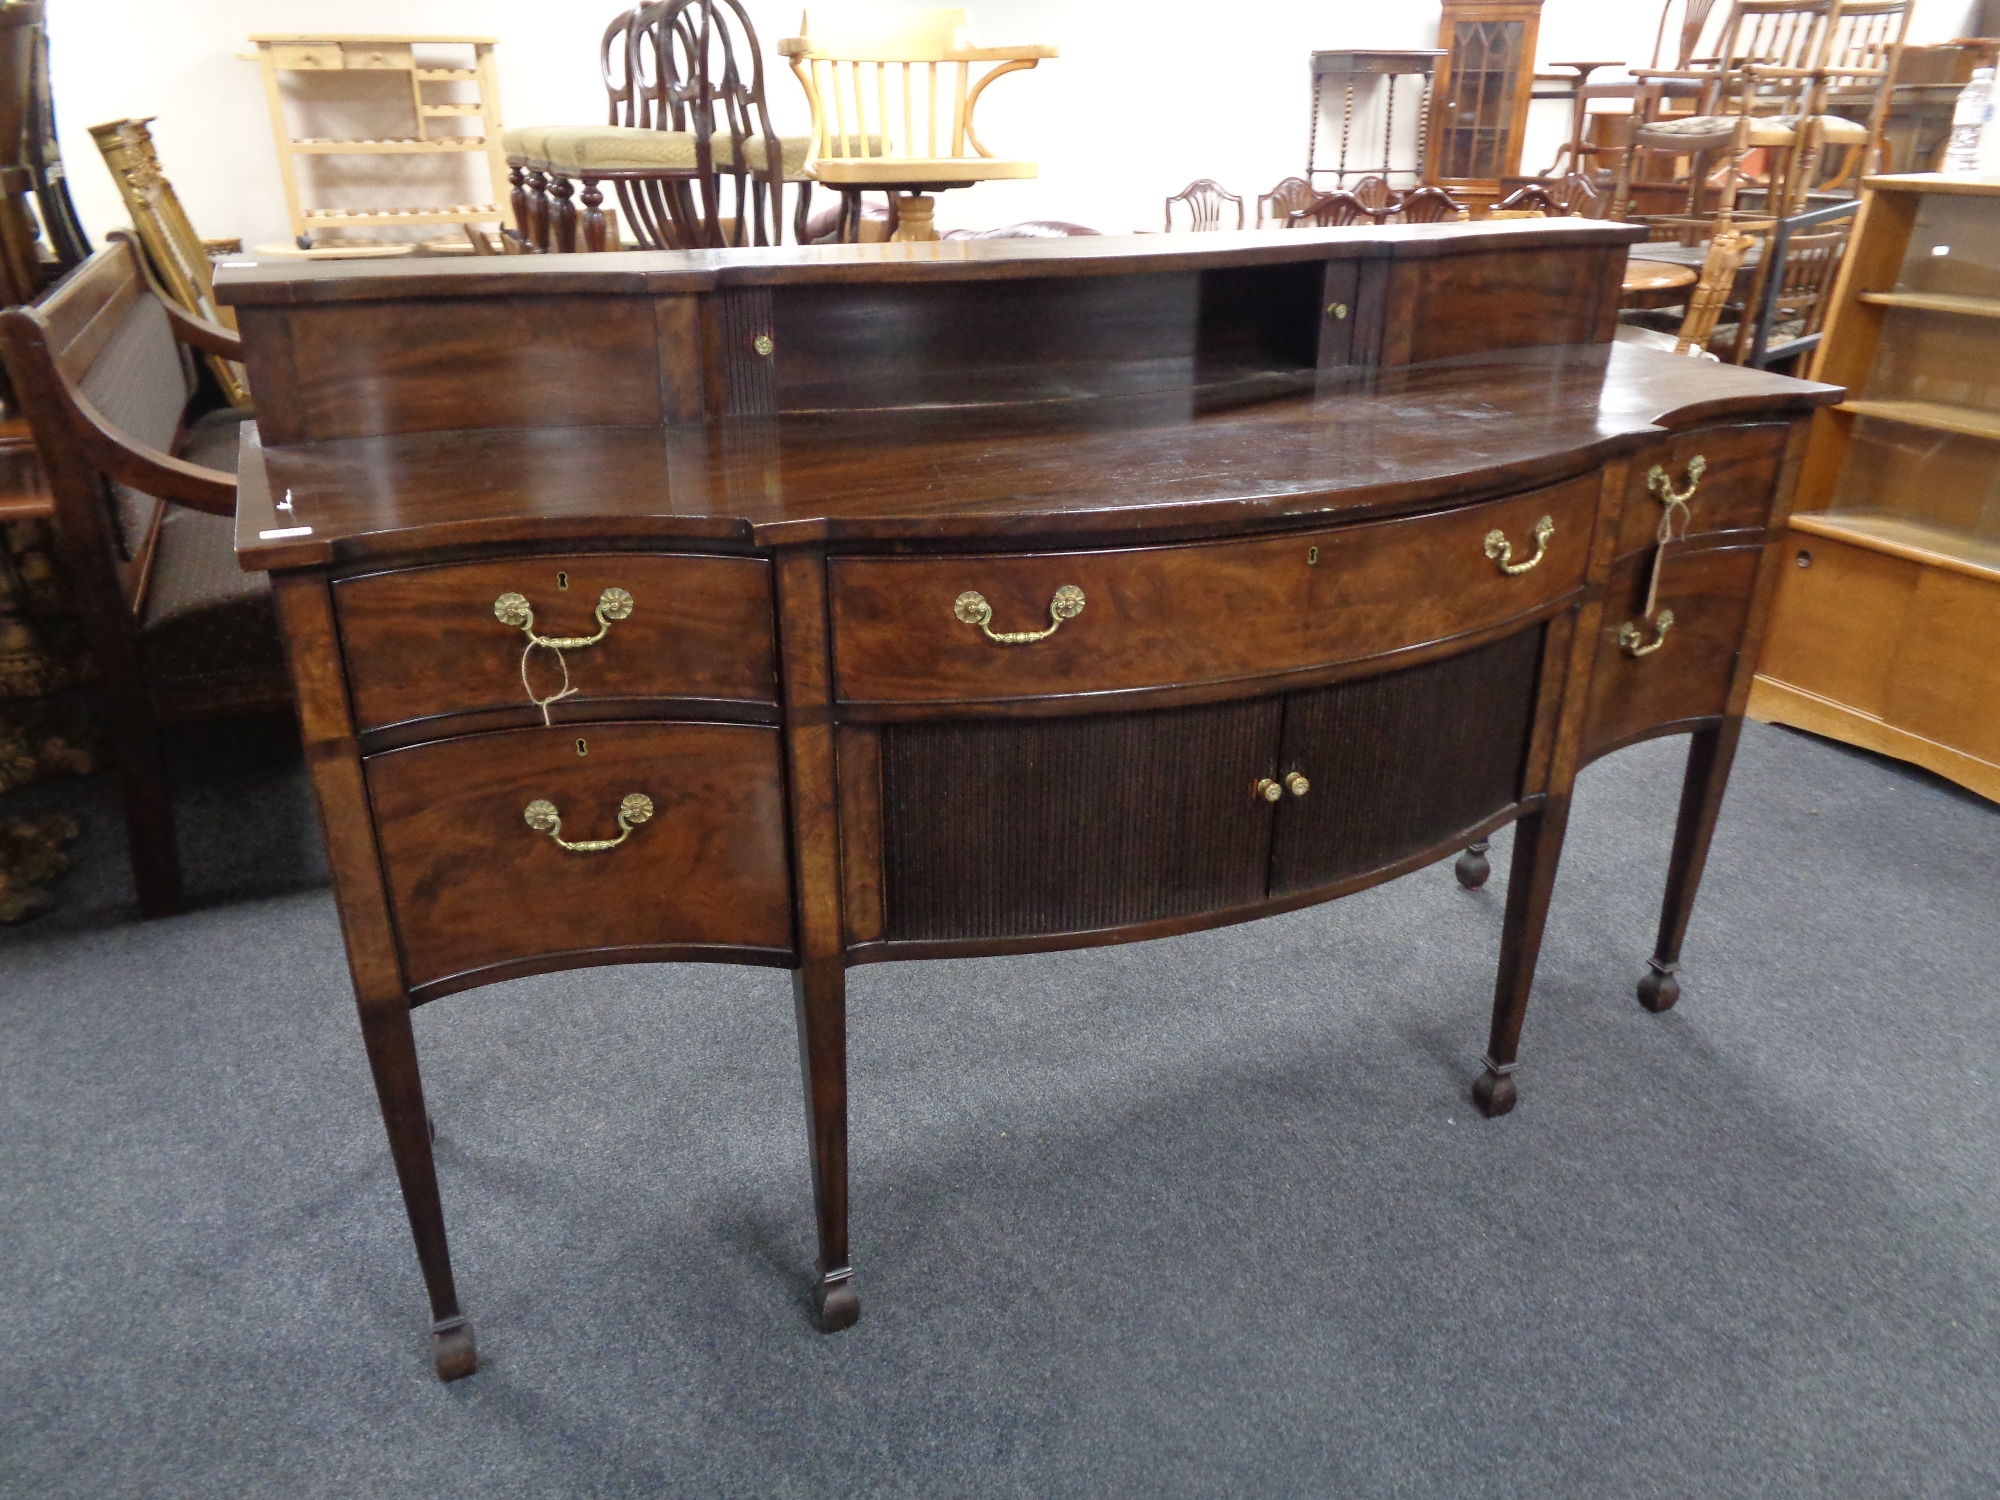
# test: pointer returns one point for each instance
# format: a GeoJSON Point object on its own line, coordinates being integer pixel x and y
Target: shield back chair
{"type": "Point", "coordinates": [684, 85]}
{"type": "Point", "coordinates": [1375, 195]}
{"type": "Point", "coordinates": [1205, 201]}
{"type": "Point", "coordinates": [145, 506]}
{"type": "Point", "coordinates": [1289, 196]}
{"type": "Point", "coordinates": [1331, 211]}
{"type": "Point", "coordinates": [893, 97]}
{"type": "Point", "coordinates": [1428, 205]}
{"type": "Point", "coordinates": [179, 257]}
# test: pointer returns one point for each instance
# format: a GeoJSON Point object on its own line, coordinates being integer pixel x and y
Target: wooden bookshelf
{"type": "Point", "coordinates": [297, 56]}
{"type": "Point", "coordinates": [1886, 629]}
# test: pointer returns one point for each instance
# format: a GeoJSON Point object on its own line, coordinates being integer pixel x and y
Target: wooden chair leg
{"type": "Point", "coordinates": [517, 179]}
{"type": "Point", "coordinates": [593, 217]}
{"type": "Point", "coordinates": [565, 215]}
{"type": "Point", "coordinates": [802, 213]}
{"type": "Point", "coordinates": [538, 216]}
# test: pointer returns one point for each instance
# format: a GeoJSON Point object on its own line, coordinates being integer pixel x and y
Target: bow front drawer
{"type": "Point", "coordinates": [982, 629]}
{"type": "Point", "coordinates": [1724, 475]}
{"type": "Point", "coordinates": [530, 849]}
{"type": "Point", "coordinates": [496, 637]}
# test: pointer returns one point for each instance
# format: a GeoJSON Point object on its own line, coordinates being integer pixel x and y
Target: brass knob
{"type": "Point", "coordinates": [1296, 784]}
{"type": "Point", "coordinates": [1268, 789]}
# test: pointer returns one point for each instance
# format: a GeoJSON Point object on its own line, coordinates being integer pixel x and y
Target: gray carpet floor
{"type": "Point", "coordinates": [1204, 1217]}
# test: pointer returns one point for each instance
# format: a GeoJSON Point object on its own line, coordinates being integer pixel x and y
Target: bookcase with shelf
{"type": "Point", "coordinates": [1886, 630]}
{"type": "Point", "coordinates": [446, 104]}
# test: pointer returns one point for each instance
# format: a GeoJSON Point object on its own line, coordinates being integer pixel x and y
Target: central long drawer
{"type": "Point", "coordinates": [923, 629]}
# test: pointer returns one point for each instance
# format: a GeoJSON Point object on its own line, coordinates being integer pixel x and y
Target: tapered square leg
{"type": "Point", "coordinates": [392, 1057]}
{"type": "Point", "coordinates": [1710, 755]}
{"type": "Point", "coordinates": [1530, 883]}
{"type": "Point", "coordinates": [819, 992]}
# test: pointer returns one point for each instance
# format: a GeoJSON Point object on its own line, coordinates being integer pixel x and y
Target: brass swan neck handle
{"type": "Point", "coordinates": [514, 609]}
{"type": "Point", "coordinates": [972, 609]}
{"type": "Point", "coordinates": [541, 815]}
{"type": "Point", "coordinates": [1502, 551]}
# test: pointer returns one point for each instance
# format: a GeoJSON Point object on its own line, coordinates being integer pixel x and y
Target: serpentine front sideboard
{"type": "Point", "coordinates": [812, 607]}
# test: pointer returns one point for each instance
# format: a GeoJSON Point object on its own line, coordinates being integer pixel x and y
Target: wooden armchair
{"type": "Point", "coordinates": [1331, 211]}
{"type": "Point", "coordinates": [892, 101]}
{"type": "Point", "coordinates": [144, 517]}
{"type": "Point", "coordinates": [179, 256]}
{"type": "Point", "coordinates": [1204, 201]}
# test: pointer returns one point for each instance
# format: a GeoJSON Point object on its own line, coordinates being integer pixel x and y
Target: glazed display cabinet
{"type": "Point", "coordinates": [1887, 626]}
{"type": "Point", "coordinates": [1482, 90]}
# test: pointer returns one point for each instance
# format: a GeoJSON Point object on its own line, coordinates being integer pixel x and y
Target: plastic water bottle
{"type": "Point", "coordinates": [1968, 123]}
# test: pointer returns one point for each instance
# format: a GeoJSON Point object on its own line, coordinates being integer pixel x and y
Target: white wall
{"type": "Point", "coordinates": [1143, 99]}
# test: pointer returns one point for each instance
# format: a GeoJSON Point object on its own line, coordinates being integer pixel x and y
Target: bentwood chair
{"type": "Point", "coordinates": [1284, 200]}
{"type": "Point", "coordinates": [892, 97]}
{"type": "Point", "coordinates": [1204, 200]}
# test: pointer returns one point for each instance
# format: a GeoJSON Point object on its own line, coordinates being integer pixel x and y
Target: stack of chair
{"type": "Point", "coordinates": [687, 115]}
{"type": "Point", "coordinates": [1780, 62]}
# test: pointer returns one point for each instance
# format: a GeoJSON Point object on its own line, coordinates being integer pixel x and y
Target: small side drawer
{"type": "Point", "coordinates": [1204, 613]}
{"type": "Point", "coordinates": [422, 643]}
{"type": "Point", "coordinates": [474, 887]}
{"type": "Point", "coordinates": [370, 55]}
{"type": "Point", "coordinates": [1684, 673]}
{"type": "Point", "coordinates": [307, 57]}
{"type": "Point", "coordinates": [1739, 475]}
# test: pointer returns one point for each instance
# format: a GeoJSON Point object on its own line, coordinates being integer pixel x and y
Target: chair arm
{"type": "Point", "coordinates": [146, 468]}
{"type": "Point", "coordinates": [1031, 52]}
{"type": "Point", "coordinates": [1699, 74]}
{"type": "Point", "coordinates": [211, 338]}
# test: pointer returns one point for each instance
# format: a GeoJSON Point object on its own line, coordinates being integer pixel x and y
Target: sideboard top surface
{"type": "Point", "coordinates": [1144, 467]}
{"type": "Point", "coordinates": [655, 273]}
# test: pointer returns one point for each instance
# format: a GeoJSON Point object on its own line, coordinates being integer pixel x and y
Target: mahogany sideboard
{"type": "Point", "coordinates": [810, 607]}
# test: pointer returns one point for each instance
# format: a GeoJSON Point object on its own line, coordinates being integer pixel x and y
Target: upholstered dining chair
{"type": "Point", "coordinates": [892, 97]}
{"type": "Point", "coordinates": [145, 506]}
{"type": "Point", "coordinates": [1205, 200]}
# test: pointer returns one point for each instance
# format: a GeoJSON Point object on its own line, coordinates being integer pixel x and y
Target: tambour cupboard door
{"type": "Point", "coordinates": [1005, 828]}
{"type": "Point", "coordinates": [1397, 764]}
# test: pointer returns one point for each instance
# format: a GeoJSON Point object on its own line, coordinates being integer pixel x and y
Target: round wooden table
{"type": "Point", "coordinates": [1656, 283]}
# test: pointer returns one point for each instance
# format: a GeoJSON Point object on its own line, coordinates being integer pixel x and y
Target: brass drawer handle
{"type": "Point", "coordinates": [542, 816]}
{"type": "Point", "coordinates": [972, 608]}
{"type": "Point", "coordinates": [1660, 485]}
{"type": "Point", "coordinates": [1296, 784]}
{"type": "Point", "coordinates": [1634, 642]}
{"type": "Point", "coordinates": [513, 609]}
{"type": "Point", "coordinates": [1502, 551]}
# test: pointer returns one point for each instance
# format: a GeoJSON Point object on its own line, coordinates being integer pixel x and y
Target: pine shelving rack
{"type": "Point", "coordinates": [1886, 631]}
{"type": "Point", "coordinates": [322, 53]}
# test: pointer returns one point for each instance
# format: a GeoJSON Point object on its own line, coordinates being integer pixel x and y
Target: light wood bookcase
{"type": "Point", "coordinates": [319, 53]}
{"type": "Point", "coordinates": [1886, 632]}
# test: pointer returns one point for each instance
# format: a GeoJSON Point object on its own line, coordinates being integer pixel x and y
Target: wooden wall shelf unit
{"type": "Point", "coordinates": [938, 599]}
{"type": "Point", "coordinates": [293, 53]}
{"type": "Point", "coordinates": [1480, 114]}
{"type": "Point", "coordinates": [1885, 626]}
